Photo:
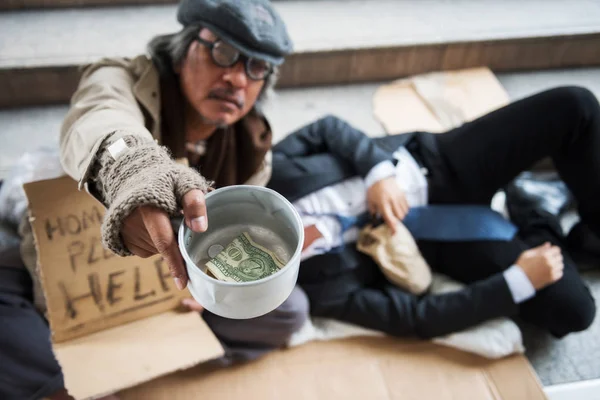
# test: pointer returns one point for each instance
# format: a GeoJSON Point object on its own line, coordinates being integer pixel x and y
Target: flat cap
{"type": "Point", "coordinates": [252, 26]}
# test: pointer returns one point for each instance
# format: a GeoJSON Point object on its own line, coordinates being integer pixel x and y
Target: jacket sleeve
{"type": "Point", "coordinates": [333, 135]}
{"type": "Point", "coordinates": [103, 105]}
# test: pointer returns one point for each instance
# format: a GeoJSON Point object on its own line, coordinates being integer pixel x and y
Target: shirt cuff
{"type": "Point", "coordinates": [383, 170]}
{"type": "Point", "coordinates": [321, 245]}
{"type": "Point", "coordinates": [519, 284]}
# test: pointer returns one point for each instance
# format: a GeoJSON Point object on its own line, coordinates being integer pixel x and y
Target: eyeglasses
{"type": "Point", "coordinates": [225, 55]}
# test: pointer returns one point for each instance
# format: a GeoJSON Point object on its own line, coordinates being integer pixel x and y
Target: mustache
{"type": "Point", "coordinates": [227, 95]}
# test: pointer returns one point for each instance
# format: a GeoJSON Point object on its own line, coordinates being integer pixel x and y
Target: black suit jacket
{"type": "Point", "coordinates": [348, 285]}
{"type": "Point", "coordinates": [326, 152]}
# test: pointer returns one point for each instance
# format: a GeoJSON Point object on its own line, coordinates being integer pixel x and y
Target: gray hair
{"type": "Point", "coordinates": [169, 51]}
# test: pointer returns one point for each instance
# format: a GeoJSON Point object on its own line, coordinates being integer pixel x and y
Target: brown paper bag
{"type": "Point", "coordinates": [397, 256]}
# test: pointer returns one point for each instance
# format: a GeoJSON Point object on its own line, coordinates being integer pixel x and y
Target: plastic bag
{"type": "Point", "coordinates": [37, 165]}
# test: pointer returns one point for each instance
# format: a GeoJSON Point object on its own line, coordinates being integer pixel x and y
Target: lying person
{"type": "Point", "coordinates": [333, 174]}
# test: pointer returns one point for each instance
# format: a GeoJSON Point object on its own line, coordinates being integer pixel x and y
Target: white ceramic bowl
{"type": "Point", "coordinates": [272, 222]}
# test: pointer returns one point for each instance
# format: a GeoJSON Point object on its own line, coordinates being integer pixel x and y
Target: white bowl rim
{"type": "Point", "coordinates": [188, 260]}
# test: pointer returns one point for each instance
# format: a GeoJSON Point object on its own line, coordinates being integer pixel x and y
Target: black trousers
{"type": "Point", "coordinates": [470, 163]}
{"type": "Point", "coordinates": [28, 369]}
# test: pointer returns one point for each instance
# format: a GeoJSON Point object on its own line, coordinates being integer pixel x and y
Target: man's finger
{"type": "Point", "coordinates": [371, 207]}
{"type": "Point", "coordinates": [140, 246]}
{"type": "Point", "coordinates": [554, 252]}
{"type": "Point", "coordinates": [192, 304]}
{"type": "Point", "coordinates": [404, 204]}
{"type": "Point", "coordinates": [175, 262]}
{"type": "Point", "coordinates": [194, 210]}
{"type": "Point", "coordinates": [135, 235]}
{"type": "Point", "coordinates": [398, 210]}
{"type": "Point", "coordinates": [389, 217]}
{"type": "Point", "coordinates": [140, 251]}
{"type": "Point", "coordinates": [160, 231]}
{"type": "Point", "coordinates": [539, 249]}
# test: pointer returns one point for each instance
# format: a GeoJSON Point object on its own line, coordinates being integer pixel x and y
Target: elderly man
{"type": "Point", "coordinates": [197, 95]}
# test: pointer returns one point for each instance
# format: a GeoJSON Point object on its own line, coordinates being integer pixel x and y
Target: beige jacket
{"type": "Point", "coordinates": [118, 97]}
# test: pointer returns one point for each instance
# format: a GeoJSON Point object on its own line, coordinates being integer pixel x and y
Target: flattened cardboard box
{"type": "Point", "coordinates": [438, 101]}
{"type": "Point", "coordinates": [367, 368]}
{"type": "Point", "coordinates": [112, 319]}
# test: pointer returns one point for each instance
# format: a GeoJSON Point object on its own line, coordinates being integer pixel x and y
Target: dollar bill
{"type": "Point", "coordinates": [243, 260]}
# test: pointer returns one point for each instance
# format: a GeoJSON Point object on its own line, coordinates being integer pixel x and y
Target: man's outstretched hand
{"type": "Point", "coordinates": [147, 231]}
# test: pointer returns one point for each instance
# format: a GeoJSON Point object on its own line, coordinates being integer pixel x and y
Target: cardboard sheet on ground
{"type": "Point", "coordinates": [111, 317]}
{"type": "Point", "coordinates": [374, 368]}
{"type": "Point", "coordinates": [438, 101]}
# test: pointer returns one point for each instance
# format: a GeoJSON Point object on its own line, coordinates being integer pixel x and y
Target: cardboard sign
{"type": "Point", "coordinates": [134, 353]}
{"type": "Point", "coordinates": [87, 287]}
{"type": "Point", "coordinates": [116, 313]}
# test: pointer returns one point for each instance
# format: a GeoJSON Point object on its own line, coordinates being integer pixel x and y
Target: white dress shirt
{"type": "Point", "coordinates": [349, 198]}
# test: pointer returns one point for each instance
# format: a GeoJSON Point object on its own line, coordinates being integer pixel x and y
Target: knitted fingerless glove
{"type": "Point", "coordinates": [143, 175]}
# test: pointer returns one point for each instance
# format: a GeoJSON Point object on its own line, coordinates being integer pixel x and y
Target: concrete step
{"type": "Point", "coordinates": [49, 4]}
{"type": "Point", "coordinates": [336, 42]}
{"type": "Point", "coordinates": [28, 128]}
{"type": "Point", "coordinates": [38, 4]}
